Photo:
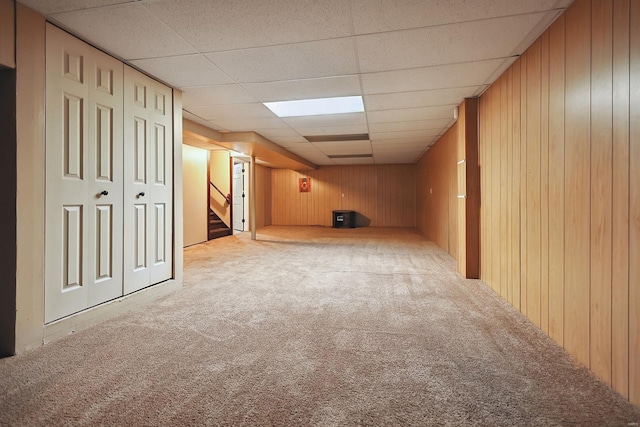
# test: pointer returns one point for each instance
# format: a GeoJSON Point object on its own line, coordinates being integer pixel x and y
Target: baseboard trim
{"type": "Point", "coordinates": [100, 313]}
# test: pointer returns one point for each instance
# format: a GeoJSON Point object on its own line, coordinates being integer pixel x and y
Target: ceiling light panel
{"type": "Point", "coordinates": [316, 107]}
{"type": "Point", "coordinates": [128, 30]}
{"type": "Point", "coordinates": [289, 62]}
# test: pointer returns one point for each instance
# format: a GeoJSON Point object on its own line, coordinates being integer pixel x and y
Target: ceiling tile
{"type": "Point", "coordinates": [436, 125]}
{"type": "Point", "coordinates": [325, 87]}
{"type": "Point", "coordinates": [354, 161]}
{"type": "Point", "coordinates": [347, 119]}
{"type": "Point", "coordinates": [183, 71]}
{"type": "Point", "coordinates": [372, 16]}
{"type": "Point", "coordinates": [279, 132]}
{"type": "Point", "coordinates": [400, 141]}
{"type": "Point", "coordinates": [423, 98]}
{"type": "Point", "coordinates": [395, 158]}
{"type": "Point", "coordinates": [287, 141]}
{"type": "Point", "coordinates": [129, 31]}
{"type": "Point", "coordinates": [311, 153]}
{"type": "Point", "coordinates": [448, 44]}
{"type": "Point", "coordinates": [289, 62]}
{"type": "Point", "coordinates": [411, 114]}
{"type": "Point", "coordinates": [332, 130]}
{"type": "Point", "coordinates": [424, 134]}
{"type": "Point", "coordinates": [231, 111]}
{"type": "Point", "coordinates": [190, 116]}
{"type": "Point", "coordinates": [216, 25]}
{"type": "Point", "coordinates": [250, 124]}
{"type": "Point", "coordinates": [346, 147]}
{"type": "Point", "coordinates": [438, 77]}
{"type": "Point", "coordinates": [399, 148]}
{"type": "Point", "coordinates": [47, 7]}
{"type": "Point", "coordinates": [215, 95]}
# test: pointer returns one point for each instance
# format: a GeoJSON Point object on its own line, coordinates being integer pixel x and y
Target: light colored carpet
{"type": "Point", "coordinates": [311, 326]}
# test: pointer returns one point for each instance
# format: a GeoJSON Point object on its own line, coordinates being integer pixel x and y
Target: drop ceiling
{"type": "Point", "coordinates": [413, 61]}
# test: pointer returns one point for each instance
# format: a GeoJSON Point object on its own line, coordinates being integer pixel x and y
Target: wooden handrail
{"type": "Point", "coordinates": [227, 197]}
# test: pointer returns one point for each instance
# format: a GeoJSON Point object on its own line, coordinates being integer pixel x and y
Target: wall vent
{"type": "Point", "coordinates": [333, 138]}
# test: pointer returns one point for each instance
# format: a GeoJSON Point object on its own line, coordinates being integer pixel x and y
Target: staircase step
{"type": "Point", "coordinates": [218, 232]}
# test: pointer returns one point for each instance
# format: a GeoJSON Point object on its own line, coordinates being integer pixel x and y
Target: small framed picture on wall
{"type": "Point", "coordinates": [304, 184]}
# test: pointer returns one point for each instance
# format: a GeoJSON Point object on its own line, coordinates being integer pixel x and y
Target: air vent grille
{"type": "Point", "coordinates": [334, 138]}
{"type": "Point", "coordinates": [350, 156]}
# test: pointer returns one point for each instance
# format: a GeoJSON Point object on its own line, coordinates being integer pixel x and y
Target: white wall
{"type": "Point", "coordinates": [194, 166]}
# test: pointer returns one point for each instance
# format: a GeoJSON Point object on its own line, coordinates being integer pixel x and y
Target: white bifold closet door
{"type": "Point", "coordinates": [84, 176]}
{"type": "Point", "coordinates": [148, 154]}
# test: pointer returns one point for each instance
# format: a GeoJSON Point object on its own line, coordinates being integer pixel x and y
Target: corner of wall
{"type": "Point", "coordinates": [30, 186]}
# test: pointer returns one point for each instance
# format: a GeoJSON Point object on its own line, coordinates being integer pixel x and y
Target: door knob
{"type": "Point", "coordinates": [104, 192]}
{"type": "Point", "coordinates": [140, 194]}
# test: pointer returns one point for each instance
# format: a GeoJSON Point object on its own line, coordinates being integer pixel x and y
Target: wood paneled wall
{"type": "Point", "coordinates": [263, 196]}
{"type": "Point", "coordinates": [560, 181]}
{"type": "Point", "coordinates": [437, 190]}
{"type": "Point", "coordinates": [382, 195]}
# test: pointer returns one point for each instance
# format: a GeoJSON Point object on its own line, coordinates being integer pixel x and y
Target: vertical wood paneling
{"type": "Point", "coordinates": [620, 200]}
{"type": "Point", "coordinates": [510, 193]}
{"type": "Point", "coordinates": [634, 205]}
{"type": "Point", "coordinates": [533, 183]}
{"type": "Point", "coordinates": [515, 199]}
{"type": "Point", "coordinates": [556, 179]}
{"type": "Point", "coordinates": [544, 182]}
{"type": "Point", "coordinates": [573, 148]}
{"type": "Point", "coordinates": [504, 268]}
{"type": "Point", "coordinates": [601, 187]}
{"type": "Point", "coordinates": [495, 189]}
{"type": "Point", "coordinates": [483, 140]}
{"type": "Point", "coordinates": [384, 195]}
{"type": "Point", "coordinates": [577, 180]}
{"type": "Point", "coordinates": [523, 184]}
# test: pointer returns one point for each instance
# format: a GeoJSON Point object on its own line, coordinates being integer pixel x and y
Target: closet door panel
{"type": "Point", "coordinates": [148, 181]}
{"type": "Point", "coordinates": [83, 203]}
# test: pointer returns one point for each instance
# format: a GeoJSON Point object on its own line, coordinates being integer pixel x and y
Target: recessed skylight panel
{"type": "Point", "coordinates": [317, 107]}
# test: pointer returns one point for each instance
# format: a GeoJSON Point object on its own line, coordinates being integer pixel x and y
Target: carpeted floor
{"type": "Point", "coordinates": [311, 326]}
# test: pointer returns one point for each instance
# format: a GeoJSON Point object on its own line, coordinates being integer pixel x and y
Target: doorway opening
{"type": "Point", "coordinates": [240, 193]}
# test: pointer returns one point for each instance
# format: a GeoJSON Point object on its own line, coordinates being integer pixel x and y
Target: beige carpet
{"type": "Point", "coordinates": [311, 326]}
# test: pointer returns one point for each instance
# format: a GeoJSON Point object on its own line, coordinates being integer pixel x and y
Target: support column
{"type": "Point", "coordinates": [252, 199]}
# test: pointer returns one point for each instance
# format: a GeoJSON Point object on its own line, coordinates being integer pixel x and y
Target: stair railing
{"type": "Point", "coordinates": [227, 197]}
